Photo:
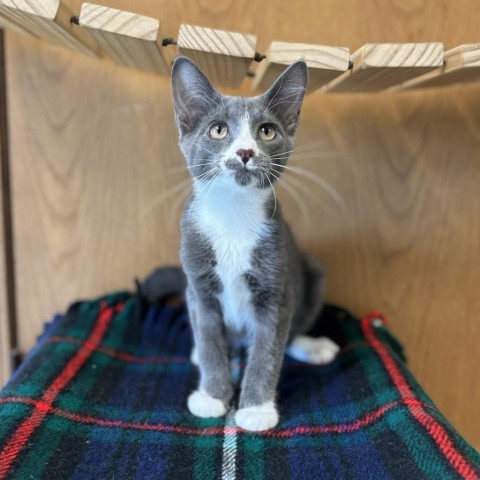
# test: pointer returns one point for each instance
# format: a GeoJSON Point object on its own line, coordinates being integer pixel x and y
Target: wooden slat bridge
{"type": "Point", "coordinates": [229, 58]}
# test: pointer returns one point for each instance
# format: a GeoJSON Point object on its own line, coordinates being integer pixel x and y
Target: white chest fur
{"type": "Point", "coordinates": [234, 220]}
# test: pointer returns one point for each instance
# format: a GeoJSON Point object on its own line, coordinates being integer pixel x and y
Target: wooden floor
{"type": "Point", "coordinates": [93, 149]}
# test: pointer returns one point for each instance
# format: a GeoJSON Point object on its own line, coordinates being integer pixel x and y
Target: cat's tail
{"type": "Point", "coordinates": [162, 284]}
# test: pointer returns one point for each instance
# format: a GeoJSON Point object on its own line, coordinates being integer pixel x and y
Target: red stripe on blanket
{"type": "Point", "coordinates": [127, 357]}
{"type": "Point", "coordinates": [352, 426]}
{"type": "Point", "coordinates": [42, 407]}
{"type": "Point", "coordinates": [436, 431]}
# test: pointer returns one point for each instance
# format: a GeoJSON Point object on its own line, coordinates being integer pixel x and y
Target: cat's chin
{"type": "Point", "coordinates": [244, 179]}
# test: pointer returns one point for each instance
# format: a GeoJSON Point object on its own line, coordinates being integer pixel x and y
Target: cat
{"type": "Point", "coordinates": [247, 280]}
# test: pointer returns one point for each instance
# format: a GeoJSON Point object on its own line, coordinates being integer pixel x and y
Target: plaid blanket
{"type": "Point", "coordinates": [103, 396]}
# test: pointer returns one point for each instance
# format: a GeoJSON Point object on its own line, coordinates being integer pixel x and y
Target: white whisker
{"type": "Point", "coordinates": [176, 207]}
{"type": "Point", "coordinates": [273, 190]}
{"type": "Point", "coordinates": [194, 205]}
{"type": "Point", "coordinates": [320, 181]}
{"type": "Point", "coordinates": [201, 165]}
{"type": "Point", "coordinates": [310, 194]}
{"type": "Point", "coordinates": [279, 165]}
{"type": "Point", "coordinates": [297, 198]}
{"type": "Point", "coordinates": [214, 181]}
{"type": "Point", "coordinates": [204, 176]}
{"type": "Point", "coordinates": [281, 153]}
{"type": "Point", "coordinates": [164, 195]}
{"type": "Point", "coordinates": [310, 145]}
{"type": "Point", "coordinates": [315, 155]}
{"type": "Point", "coordinates": [207, 150]}
{"type": "Point", "coordinates": [176, 169]}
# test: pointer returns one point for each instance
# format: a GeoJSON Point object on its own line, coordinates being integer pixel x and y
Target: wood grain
{"type": "Point", "coordinates": [7, 22]}
{"type": "Point", "coordinates": [80, 215]}
{"type": "Point", "coordinates": [405, 240]}
{"type": "Point", "coordinates": [129, 39]}
{"type": "Point", "coordinates": [324, 63]}
{"type": "Point", "coordinates": [4, 321]}
{"type": "Point", "coordinates": [5, 334]}
{"type": "Point", "coordinates": [50, 20]}
{"type": "Point", "coordinates": [408, 237]}
{"type": "Point", "coordinates": [462, 64]}
{"type": "Point", "coordinates": [377, 67]}
{"type": "Point", "coordinates": [224, 57]}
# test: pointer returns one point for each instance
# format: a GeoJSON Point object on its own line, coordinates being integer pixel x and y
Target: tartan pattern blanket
{"type": "Point", "coordinates": [103, 396]}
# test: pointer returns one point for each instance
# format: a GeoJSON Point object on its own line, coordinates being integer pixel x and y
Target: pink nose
{"type": "Point", "coordinates": [245, 155]}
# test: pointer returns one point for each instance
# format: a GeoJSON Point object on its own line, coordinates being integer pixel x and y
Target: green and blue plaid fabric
{"type": "Point", "coordinates": [103, 396]}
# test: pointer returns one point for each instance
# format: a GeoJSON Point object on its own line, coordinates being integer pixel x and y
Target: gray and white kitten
{"type": "Point", "coordinates": [246, 278]}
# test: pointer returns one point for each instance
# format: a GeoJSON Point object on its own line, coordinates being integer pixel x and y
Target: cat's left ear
{"type": "Point", "coordinates": [193, 94]}
{"type": "Point", "coordinates": [285, 96]}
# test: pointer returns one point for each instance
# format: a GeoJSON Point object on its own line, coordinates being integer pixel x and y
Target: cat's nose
{"type": "Point", "coordinates": [245, 155]}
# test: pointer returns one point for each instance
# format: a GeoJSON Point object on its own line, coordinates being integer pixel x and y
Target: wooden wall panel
{"type": "Point", "coordinates": [4, 313]}
{"type": "Point", "coordinates": [4, 322]}
{"type": "Point", "coordinates": [9, 23]}
{"type": "Point", "coordinates": [88, 157]}
{"type": "Point", "coordinates": [405, 238]}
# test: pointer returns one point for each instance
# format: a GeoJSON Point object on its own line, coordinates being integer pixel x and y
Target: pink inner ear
{"type": "Point", "coordinates": [184, 120]}
{"type": "Point", "coordinates": [291, 122]}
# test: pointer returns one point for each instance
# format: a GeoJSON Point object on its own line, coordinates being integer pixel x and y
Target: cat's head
{"type": "Point", "coordinates": [241, 140]}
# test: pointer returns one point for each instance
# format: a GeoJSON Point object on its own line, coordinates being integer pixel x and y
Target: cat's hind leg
{"type": "Point", "coordinates": [194, 356]}
{"type": "Point", "coordinates": [312, 294]}
{"type": "Point", "coordinates": [304, 348]}
{"type": "Point", "coordinates": [317, 351]}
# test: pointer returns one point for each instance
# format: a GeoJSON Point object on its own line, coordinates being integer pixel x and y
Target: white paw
{"type": "Point", "coordinates": [318, 351]}
{"type": "Point", "coordinates": [258, 418]}
{"type": "Point", "coordinates": [201, 404]}
{"type": "Point", "coordinates": [194, 356]}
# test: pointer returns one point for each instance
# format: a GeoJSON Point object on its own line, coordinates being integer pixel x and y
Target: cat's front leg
{"type": "Point", "coordinates": [215, 388]}
{"type": "Point", "coordinates": [257, 409]}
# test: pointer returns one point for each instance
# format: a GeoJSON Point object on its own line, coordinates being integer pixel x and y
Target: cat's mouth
{"type": "Point", "coordinates": [243, 174]}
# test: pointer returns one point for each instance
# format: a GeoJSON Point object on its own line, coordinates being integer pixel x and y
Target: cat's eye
{"type": "Point", "coordinates": [267, 132]}
{"type": "Point", "coordinates": [218, 131]}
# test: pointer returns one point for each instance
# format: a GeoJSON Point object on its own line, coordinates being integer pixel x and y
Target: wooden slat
{"type": "Point", "coordinates": [128, 39]}
{"type": "Point", "coordinates": [324, 63]}
{"type": "Point", "coordinates": [462, 64]}
{"type": "Point", "coordinates": [383, 65]}
{"type": "Point", "coordinates": [224, 57]}
{"type": "Point", "coordinates": [50, 20]}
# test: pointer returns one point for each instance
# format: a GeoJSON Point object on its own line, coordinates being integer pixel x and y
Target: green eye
{"type": "Point", "coordinates": [267, 132]}
{"type": "Point", "coordinates": [218, 131]}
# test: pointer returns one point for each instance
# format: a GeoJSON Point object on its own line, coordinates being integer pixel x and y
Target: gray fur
{"type": "Point", "coordinates": [286, 288]}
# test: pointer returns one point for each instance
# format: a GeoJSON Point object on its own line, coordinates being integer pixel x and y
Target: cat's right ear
{"type": "Point", "coordinates": [193, 94]}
